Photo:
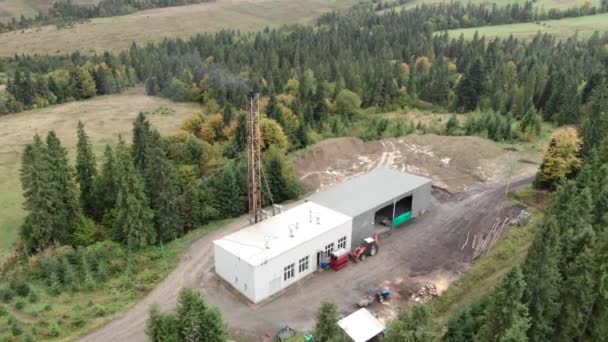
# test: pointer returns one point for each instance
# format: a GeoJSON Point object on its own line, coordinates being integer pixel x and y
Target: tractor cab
{"type": "Point", "coordinates": [368, 241]}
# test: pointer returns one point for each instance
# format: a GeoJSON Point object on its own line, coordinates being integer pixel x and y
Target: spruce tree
{"type": "Point", "coordinates": [37, 231]}
{"type": "Point", "coordinates": [280, 183]}
{"type": "Point", "coordinates": [505, 316]}
{"type": "Point", "coordinates": [86, 171]}
{"type": "Point", "coordinates": [68, 215]}
{"type": "Point", "coordinates": [229, 198]}
{"type": "Point", "coordinates": [594, 127]}
{"type": "Point", "coordinates": [326, 327]}
{"type": "Point", "coordinates": [131, 217]}
{"type": "Point", "coordinates": [541, 270]}
{"type": "Point", "coordinates": [141, 141]}
{"type": "Point", "coordinates": [163, 189]}
{"type": "Point", "coordinates": [470, 89]}
{"type": "Point", "coordinates": [414, 325]}
{"type": "Point", "coordinates": [106, 185]}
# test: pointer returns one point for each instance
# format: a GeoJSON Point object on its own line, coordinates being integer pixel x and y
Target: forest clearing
{"type": "Point", "coordinates": [107, 117]}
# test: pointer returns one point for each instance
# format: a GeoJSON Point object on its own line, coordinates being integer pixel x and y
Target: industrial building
{"type": "Point", "coordinates": [382, 197]}
{"type": "Point", "coordinates": [268, 256]}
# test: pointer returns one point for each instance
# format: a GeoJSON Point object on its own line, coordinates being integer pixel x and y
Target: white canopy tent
{"type": "Point", "coordinates": [361, 326]}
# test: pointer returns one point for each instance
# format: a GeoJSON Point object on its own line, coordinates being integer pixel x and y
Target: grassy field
{"type": "Point", "coordinates": [541, 4]}
{"type": "Point", "coordinates": [105, 118]}
{"type": "Point", "coordinates": [564, 28]}
{"type": "Point", "coordinates": [116, 33]}
{"type": "Point", "coordinates": [29, 8]}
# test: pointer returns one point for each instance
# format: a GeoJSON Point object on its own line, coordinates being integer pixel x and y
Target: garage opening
{"type": "Point", "coordinates": [394, 216]}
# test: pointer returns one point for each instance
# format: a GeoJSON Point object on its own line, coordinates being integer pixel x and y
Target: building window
{"type": "Point", "coordinates": [342, 242]}
{"type": "Point", "coordinates": [303, 264]}
{"type": "Point", "coordinates": [289, 272]}
{"type": "Point", "coordinates": [329, 249]}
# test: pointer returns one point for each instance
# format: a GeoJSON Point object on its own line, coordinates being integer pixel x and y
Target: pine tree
{"type": "Point", "coordinates": [470, 89]}
{"type": "Point", "coordinates": [279, 180]}
{"type": "Point", "coordinates": [541, 271]}
{"type": "Point", "coordinates": [131, 216]}
{"type": "Point", "coordinates": [37, 231]}
{"type": "Point", "coordinates": [194, 320]}
{"type": "Point", "coordinates": [229, 199]}
{"type": "Point", "coordinates": [505, 316]}
{"type": "Point", "coordinates": [414, 325]}
{"type": "Point", "coordinates": [68, 215]}
{"type": "Point", "coordinates": [594, 128]}
{"type": "Point", "coordinates": [160, 327]}
{"type": "Point", "coordinates": [106, 185]}
{"type": "Point", "coordinates": [142, 135]}
{"type": "Point", "coordinates": [326, 327]}
{"type": "Point", "coordinates": [163, 189]}
{"type": "Point", "coordinates": [86, 171]}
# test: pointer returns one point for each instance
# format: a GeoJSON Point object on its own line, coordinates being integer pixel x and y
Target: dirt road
{"type": "Point", "coordinates": [430, 244]}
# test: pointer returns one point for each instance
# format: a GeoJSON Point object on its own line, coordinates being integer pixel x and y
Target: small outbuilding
{"type": "Point", "coordinates": [361, 326]}
{"type": "Point", "coordinates": [267, 257]}
{"type": "Point", "coordinates": [381, 197]}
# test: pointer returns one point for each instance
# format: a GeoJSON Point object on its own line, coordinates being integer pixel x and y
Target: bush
{"type": "Point", "coordinates": [6, 294]}
{"type": "Point", "coordinates": [2, 311]}
{"type": "Point", "coordinates": [54, 329]}
{"type": "Point", "coordinates": [19, 305]}
{"type": "Point", "coordinates": [78, 322]}
{"type": "Point", "coordinates": [33, 297]}
{"type": "Point", "coordinates": [20, 287]}
{"type": "Point", "coordinates": [15, 327]}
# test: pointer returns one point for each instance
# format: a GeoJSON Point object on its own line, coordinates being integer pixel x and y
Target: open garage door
{"type": "Point", "coordinates": [394, 215]}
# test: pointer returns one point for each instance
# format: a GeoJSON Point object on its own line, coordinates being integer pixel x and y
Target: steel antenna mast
{"type": "Point", "coordinates": [255, 161]}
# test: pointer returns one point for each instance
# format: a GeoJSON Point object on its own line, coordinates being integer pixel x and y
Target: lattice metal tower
{"type": "Point", "coordinates": [255, 162]}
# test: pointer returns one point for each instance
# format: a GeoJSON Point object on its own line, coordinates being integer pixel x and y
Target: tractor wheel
{"type": "Point", "coordinates": [362, 257]}
{"type": "Point", "coordinates": [373, 251]}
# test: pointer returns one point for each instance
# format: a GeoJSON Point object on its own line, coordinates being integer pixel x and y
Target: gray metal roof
{"type": "Point", "coordinates": [368, 191]}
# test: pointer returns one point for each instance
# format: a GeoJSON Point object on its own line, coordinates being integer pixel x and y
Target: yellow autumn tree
{"type": "Point", "coordinates": [213, 129]}
{"type": "Point", "coordinates": [562, 158]}
{"type": "Point", "coordinates": [193, 124]}
{"type": "Point", "coordinates": [272, 134]}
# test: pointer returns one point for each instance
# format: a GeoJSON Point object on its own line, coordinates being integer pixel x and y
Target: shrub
{"type": "Point", "coordinates": [19, 305]}
{"type": "Point", "coordinates": [20, 287]}
{"type": "Point", "coordinates": [6, 294]}
{"type": "Point", "coordinates": [33, 297]}
{"type": "Point", "coordinates": [78, 322]}
{"type": "Point", "coordinates": [15, 327]}
{"type": "Point", "coordinates": [54, 329]}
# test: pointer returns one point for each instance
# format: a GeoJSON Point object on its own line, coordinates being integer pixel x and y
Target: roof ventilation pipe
{"type": "Point", "coordinates": [267, 242]}
{"type": "Point", "coordinates": [291, 231]}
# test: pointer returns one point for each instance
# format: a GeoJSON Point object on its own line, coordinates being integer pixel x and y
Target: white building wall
{"type": "Point", "coordinates": [235, 271]}
{"type": "Point", "coordinates": [269, 277]}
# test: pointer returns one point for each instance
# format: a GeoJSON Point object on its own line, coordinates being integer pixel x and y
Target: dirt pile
{"type": "Point", "coordinates": [454, 163]}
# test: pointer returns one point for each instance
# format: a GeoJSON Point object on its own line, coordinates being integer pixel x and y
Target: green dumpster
{"type": "Point", "coordinates": [401, 219]}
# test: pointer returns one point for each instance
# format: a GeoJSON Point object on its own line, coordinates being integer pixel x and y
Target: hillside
{"type": "Point", "coordinates": [29, 8]}
{"type": "Point", "coordinates": [106, 117]}
{"type": "Point", "coordinates": [116, 33]}
{"type": "Point", "coordinates": [564, 28]}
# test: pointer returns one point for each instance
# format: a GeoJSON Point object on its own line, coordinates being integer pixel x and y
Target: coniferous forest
{"type": "Point", "coordinates": [93, 217]}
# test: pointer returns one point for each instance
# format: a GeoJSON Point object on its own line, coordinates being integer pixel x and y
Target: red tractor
{"type": "Point", "coordinates": [369, 247]}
